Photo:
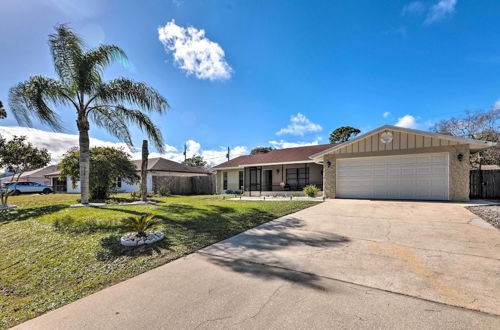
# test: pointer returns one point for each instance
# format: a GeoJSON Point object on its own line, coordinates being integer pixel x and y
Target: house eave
{"type": "Point", "coordinates": [476, 145]}
{"type": "Point", "coordinates": [264, 164]}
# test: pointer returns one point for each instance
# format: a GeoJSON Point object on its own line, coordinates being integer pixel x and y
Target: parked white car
{"type": "Point", "coordinates": [27, 187]}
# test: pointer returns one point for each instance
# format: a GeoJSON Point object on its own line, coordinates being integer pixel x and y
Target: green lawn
{"type": "Point", "coordinates": [52, 255]}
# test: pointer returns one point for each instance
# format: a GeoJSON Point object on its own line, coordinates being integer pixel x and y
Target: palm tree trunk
{"type": "Point", "coordinates": [144, 171]}
{"type": "Point", "coordinates": [83, 127]}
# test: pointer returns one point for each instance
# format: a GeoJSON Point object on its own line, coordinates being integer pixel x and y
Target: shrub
{"type": "Point", "coordinates": [135, 194]}
{"type": "Point", "coordinates": [164, 191]}
{"type": "Point", "coordinates": [311, 190]}
{"type": "Point", "coordinates": [140, 223]}
{"type": "Point", "coordinates": [106, 165]}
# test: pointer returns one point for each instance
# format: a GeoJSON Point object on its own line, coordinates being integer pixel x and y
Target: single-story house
{"type": "Point", "coordinates": [280, 170]}
{"type": "Point", "coordinates": [38, 175]}
{"type": "Point", "coordinates": [386, 163]}
{"type": "Point", "coordinates": [157, 167]}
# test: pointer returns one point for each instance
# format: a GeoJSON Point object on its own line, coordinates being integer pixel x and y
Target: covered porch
{"type": "Point", "coordinates": [280, 178]}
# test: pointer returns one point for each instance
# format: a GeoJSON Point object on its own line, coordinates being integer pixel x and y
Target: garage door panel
{"type": "Point", "coordinates": [423, 176]}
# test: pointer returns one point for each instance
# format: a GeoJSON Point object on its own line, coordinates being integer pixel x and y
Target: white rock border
{"type": "Point", "coordinates": [74, 206]}
{"type": "Point", "coordinates": [8, 207]}
{"type": "Point", "coordinates": [134, 240]}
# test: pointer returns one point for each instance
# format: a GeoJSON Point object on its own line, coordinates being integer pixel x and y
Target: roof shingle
{"type": "Point", "coordinates": [162, 164]}
{"type": "Point", "coordinates": [287, 155]}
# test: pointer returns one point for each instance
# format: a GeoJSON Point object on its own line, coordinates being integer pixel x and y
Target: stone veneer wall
{"type": "Point", "coordinates": [458, 171]}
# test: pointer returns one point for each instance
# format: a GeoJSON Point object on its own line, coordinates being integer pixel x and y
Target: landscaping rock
{"type": "Point", "coordinates": [87, 205]}
{"type": "Point", "coordinates": [489, 213]}
{"type": "Point", "coordinates": [134, 240]}
{"type": "Point", "coordinates": [8, 207]}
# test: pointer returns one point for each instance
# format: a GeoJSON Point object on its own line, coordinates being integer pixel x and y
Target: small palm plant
{"type": "Point", "coordinates": [140, 223]}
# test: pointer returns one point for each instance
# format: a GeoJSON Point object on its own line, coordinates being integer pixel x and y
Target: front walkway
{"type": "Point", "coordinates": [342, 264]}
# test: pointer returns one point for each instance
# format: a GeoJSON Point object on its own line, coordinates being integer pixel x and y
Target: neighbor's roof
{"type": "Point", "coordinates": [40, 171]}
{"type": "Point", "coordinates": [165, 165]}
{"type": "Point", "coordinates": [475, 145]}
{"type": "Point", "coordinates": [276, 156]}
{"type": "Point", "coordinates": [158, 164]}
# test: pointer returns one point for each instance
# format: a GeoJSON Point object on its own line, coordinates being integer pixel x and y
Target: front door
{"type": "Point", "coordinates": [59, 184]}
{"type": "Point", "coordinates": [268, 180]}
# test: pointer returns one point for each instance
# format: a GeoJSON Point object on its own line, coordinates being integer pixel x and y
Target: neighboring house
{"type": "Point", "coordinates": [38, 175]}
{"type": "Point", "coordinates": [157, 167]}
{"type": "Point", "coordinates": [387, 163]}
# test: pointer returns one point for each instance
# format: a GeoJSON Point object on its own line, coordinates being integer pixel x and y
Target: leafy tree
{"type": "Point", "coordinates": [3, 113]}
{"type": "Point", "coordinates": [195, 161]}
{"type": "Point", "coordinates": [18, 156]}
{"type": "Point", "coordinates": [343, 134]}
{"type": "Point", "coordinates": [106, 166]}
{"type": "Point", "coordinates": [479, 125]}
{"type": "Point", "coordinates": [111, 105]}
{"type": "Point", "coordinates": [261, 150]}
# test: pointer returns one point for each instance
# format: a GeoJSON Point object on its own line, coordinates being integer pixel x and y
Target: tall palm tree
{"type": "Point", "coordinates": [111, 105]}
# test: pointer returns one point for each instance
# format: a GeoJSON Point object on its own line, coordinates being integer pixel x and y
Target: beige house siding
{"type": "Point", "coordinates": [400, 141]}
{"type": "Point", "coordinates": [279, 172]}
{"type": "Point", "coordinates": [279, 175]}
{"type": "Point", "coordinates": [405, 144]}
{"type": "Point", "coordinates": [232, 180]}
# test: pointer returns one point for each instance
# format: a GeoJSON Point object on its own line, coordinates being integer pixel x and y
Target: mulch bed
{"type": "Point", "coordinates": [488, 213]}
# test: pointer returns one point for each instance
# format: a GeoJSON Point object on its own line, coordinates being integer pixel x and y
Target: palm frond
{"type": "Point", "coordinates": [32, 98]}
{"type": "Point", "coordinates": [103, 55]}
{"type": "Point", "coordinates": [140, 223]}
{"type": "Point", "coordinates": [138, 94]}
{"type": "Point", "coordinates": [93, 64]}
{"type": "Point", "coordinates": [121, 113]}
{"type": "Point", "coordinates": [106, 118]}
{"type": "Point", "coordinates": [66, 48]}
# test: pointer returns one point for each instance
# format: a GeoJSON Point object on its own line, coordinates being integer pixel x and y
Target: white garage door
{"type": "Point", "coordinates": [422, 176]}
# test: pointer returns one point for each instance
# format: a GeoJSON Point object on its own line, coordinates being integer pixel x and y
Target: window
{"type": "Point", "coordinates": [240, 181]}
{"type": "Point", "coordinates": [118, 183]}
{"type": "Point", "coordinates": [224, 175]}
{"type": "Point", "coordinates": [297, 176]}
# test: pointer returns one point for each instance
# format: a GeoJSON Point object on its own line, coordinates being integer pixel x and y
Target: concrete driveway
{"type": "Point", "coordinates": [341, 264]}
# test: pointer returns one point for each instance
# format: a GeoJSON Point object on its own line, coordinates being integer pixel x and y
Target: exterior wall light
{"type": "Point", "coordinates": [329, 163]}
{"type": "Point", "coordinates": [278, 170]}
{"type": "Point", "coordinates": [460, 157]}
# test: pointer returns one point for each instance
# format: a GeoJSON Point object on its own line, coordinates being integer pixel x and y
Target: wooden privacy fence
{"type": "Point", "coordinates": [185, 185]}
{"type": "Point", "coordinates": [486, 187]}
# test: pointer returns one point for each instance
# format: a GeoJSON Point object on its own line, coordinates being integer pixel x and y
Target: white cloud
{"type": "Point", "coordinates": [286, 144]}
{"type": "Point", "coordinates": [299, 124]}
{"type": "Point", "coordinates": [440, 10]}
{"type": "Point", "coordinates": [194, 53]}
{"type": "Point", "coordinates": [177, 3]}
{"type": "Point", "coordinates": [496, 105]}
{"type": "Point", "coordinates": [407, 121]}
{"type": "Point", "coordinates": [386, 114]}
{"type": "Point", "coordinates": [214, 157]}
{"type": "Point", "coordinates": [58, 143]}
{"type": "Point", "coordinates": [415, 7]}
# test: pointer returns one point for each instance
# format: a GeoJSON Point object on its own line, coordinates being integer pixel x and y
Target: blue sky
{"type": "Point", "coordinates": [279, 72]}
